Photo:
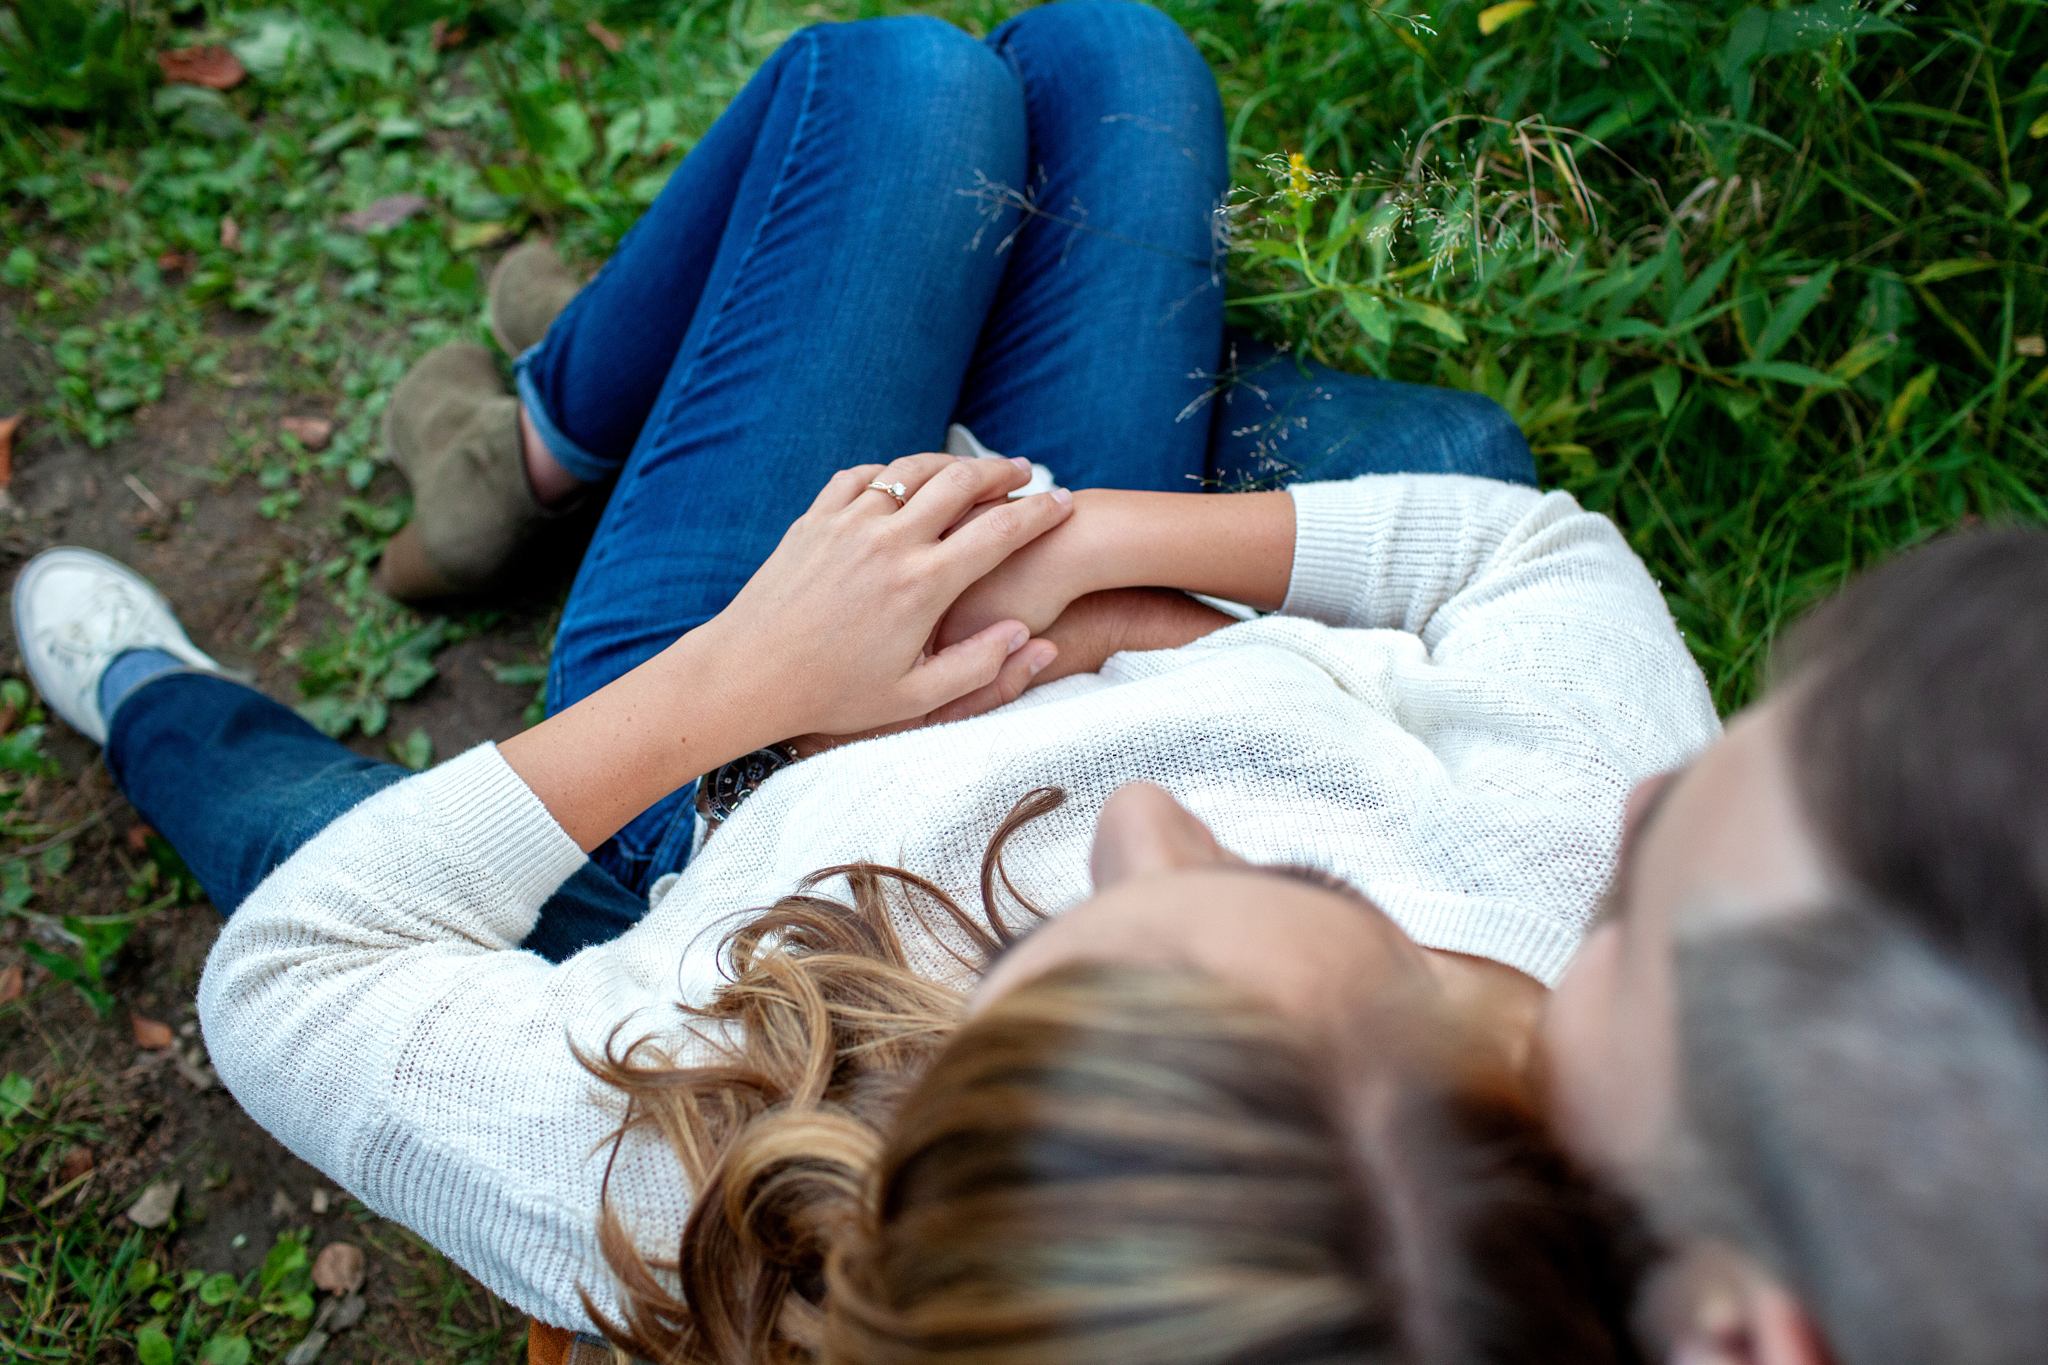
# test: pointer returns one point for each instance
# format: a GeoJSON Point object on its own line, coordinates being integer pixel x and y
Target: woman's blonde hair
{"type": "Point", "coordinates": [1110, 1164]}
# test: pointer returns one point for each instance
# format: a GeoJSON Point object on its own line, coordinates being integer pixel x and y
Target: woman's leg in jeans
{"type": "Point", "coordinates": [237, 783]}
{"type": "Point", "coordinates": [829, 304]}
{"type": "Point", "coordinates": [1281, 420]}
{"type": "Point", "coordinates": [1105, 336]}
{"type": "Point", "coordinates": [1101, 357]}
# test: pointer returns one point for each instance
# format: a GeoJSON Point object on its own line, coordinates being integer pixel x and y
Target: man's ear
{"type": "Point", "coordinates": [1716, 1306]}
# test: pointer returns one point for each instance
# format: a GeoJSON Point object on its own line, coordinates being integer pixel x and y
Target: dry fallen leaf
{"type": "Point", "coordinates": [230, 234]}
{"type": "Point", "coordinates": [2030, 345]}
{"type": "Point", "coordinates": [443, 37]}
{"type": "Point", "coordinates": [611, 41]}
{"type": "Point", "coordinates": [216, 68]}
{"type": "Point", "coordinates": [153, 1209]}
{"type": "Point", "coordinates": [318, 1200]}
{"type": "Point", "coordinates": [77, 1162]}
{"type": "Point", "coordinates": [138, 838]}
{"type": "Point", "coordinates": [11, 985]}
{"type": "Point", "coordinates": [389, 211]}
{"type": "Point", "coordinates": [338, 1268]}
{"type": "Point", "coordinates": [150, 1034]}
{"type": "Point", "coordinates": [113, 183]}
{"type": "Point", "coordinates": [174, 260]}
{"type": "Point", "coordinates": [8, 426]}
{"type": "Point", "coordinates": [311, 432]}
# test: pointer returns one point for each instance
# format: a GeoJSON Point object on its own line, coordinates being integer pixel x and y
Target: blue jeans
{"type": "Point", "coordinates": [894, 227]}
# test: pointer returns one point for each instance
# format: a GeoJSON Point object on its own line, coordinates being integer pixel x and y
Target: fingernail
{"type": "Point", "coordinates": [1062, 496]}
{"type": "Point", "coordinates": [1017, 641]}
{"type": "Point", "coordinates": [1040, 657]}
{"type": "Point", "coordinates": [1021, 463]}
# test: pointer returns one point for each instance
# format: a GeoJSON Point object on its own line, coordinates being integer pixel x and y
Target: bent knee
{"type": "Point", "coordinates": [1490, 443]}
{"type": "Point", "coordinates": [915, 60]}
{"type": "Point", "coordinates": [1084, 28]}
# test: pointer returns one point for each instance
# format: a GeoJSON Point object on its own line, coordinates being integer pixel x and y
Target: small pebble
{"type": "Point", "coordinates": [308, 1350]}
{"type": "Point", "coordinates": [319, 1201]}
{"type": "Point", "coordinates": [153, 1209]}
{"type": "Point", "coordinates": [241, 1240]}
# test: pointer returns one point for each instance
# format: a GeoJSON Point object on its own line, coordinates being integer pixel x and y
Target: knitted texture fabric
{"type": "Point", "coordinates": [1465, 681]}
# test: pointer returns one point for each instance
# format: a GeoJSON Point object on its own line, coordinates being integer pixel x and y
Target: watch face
{"type": "Point", "coordinates": [720, 793]}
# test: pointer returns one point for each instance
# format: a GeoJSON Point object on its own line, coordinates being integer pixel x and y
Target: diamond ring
{"type": "Point", "coordinates": [894, 490]}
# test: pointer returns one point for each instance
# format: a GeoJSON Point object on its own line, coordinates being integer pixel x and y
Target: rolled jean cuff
{"type": "Point", "coordinates": [570, 456]}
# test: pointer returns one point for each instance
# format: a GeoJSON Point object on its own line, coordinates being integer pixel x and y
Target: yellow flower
{"type": "Point", "coordinates": [1299, 176]}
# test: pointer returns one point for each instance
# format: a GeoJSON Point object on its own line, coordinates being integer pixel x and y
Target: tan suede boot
{"type": "Point", "coordinates": [454, 431]}
{"type": "Point", "coordinates": [529, 289]}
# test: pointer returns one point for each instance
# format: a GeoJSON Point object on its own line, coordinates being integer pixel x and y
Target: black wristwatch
{"type": "Point", "coordinates": [720, 791]}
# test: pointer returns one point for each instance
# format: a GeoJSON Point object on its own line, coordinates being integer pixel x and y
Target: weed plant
{"type": "Point", "coordinates": [1765, 283]}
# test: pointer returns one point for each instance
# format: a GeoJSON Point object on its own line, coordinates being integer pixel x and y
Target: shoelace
{"type": "Point", "coordinates": [103, 626]}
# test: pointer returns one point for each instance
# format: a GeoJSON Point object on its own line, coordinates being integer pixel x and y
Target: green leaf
{"type": "Point", "coordinates": [225, 1350]}
{"type": "Point", "coordinates": [1862, 356]}
{"type": "Point", "coordinates": [1702, 287]}
{"type": "Point", "coordinates": [2039, 127]}
{"type": "Point", "coordinates": [520, 675]}
{"type": "Point", "coordinates": [1790, 313]}
{"type": "Point", "coordinates": [1785, 372]}
{"type": "Point", "coordinates": [352, 52]}
{"type": "Point", "coordinates": [339, 135]}
{"type": "Point", "coordinates": [16, 1091]}
{"type": "Point", "coordinates": [17, 888]}
{"type": "Point", "coordinates": [1916, 390]}
{"type": "Point", "coordinates": [1951, 270]}
{"type": "Point", "coordinates": [415, 751]}
{"type": "Point", "coordinates": [22, 752]}
{"type": "Point", "coordinates": [216, 1290]}
{"type": "Point", "coordinates": [56, 859]}
{"type": "Point", "coordinates": [647, 188]}
{"type": "Point", "coordinates": [152, 1347]}
{"type": "Point", "coordinates": [1434, 318]}
{"type": "Point", "coordinates": [268, 50]}
{"type": "Point", "coordinates": [287, 1254]}
{"type": "Point", "coordinates": [1665, 386]}
{"type": "Point", "coordinates": [298, 1305]}
{"type": "Point", "coordinates": [1369, 311]}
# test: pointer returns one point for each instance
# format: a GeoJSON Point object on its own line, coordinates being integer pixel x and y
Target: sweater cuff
{"type": "Point", "coordinates": [493, 816]}
{"type": "Point", "coordinates": [1331, 521]}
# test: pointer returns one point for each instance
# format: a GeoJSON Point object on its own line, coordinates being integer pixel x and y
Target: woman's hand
{"type": "Point", "coordinates": [830, 635]}
{"type": "Point", "coordinates": [836, 622]}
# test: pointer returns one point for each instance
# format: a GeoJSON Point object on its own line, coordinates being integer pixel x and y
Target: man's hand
{"type": "Point", "coordinates": [1090, 630]}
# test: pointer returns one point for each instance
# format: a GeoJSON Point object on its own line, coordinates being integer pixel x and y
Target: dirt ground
{"type": "Point", "coordinates": [211, 553]}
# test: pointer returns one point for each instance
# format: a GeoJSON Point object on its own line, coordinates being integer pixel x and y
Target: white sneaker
{"type": "Point", "coordinates": [75, 612]}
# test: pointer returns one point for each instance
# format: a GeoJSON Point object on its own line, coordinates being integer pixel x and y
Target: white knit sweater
{"type": "Point", "coordinates": [1464, 682]}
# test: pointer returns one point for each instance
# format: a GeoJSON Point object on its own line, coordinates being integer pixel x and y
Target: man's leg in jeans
{"type": "Point", "coordinates": [237, 783]}
{"type": "Point", "coordinates": [852, 273]}
{"type": "Point", "coordinates": [1281, 420]}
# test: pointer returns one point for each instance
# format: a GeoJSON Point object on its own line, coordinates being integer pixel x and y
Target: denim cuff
{"type": "Point", "coordinates": [567, 453]}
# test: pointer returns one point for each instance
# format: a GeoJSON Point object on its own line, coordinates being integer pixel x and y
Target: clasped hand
{"type": "Point", "coordinates": [840, 621]}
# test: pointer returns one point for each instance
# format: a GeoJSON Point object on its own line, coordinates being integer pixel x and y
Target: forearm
{"type": "Point", "coordinates": [1238, 546]}
{"type": "Point", "coordinates": [601, 762]}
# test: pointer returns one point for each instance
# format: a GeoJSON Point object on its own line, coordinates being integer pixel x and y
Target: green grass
{"type": "Point", "coordinates": [1765, 284]}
